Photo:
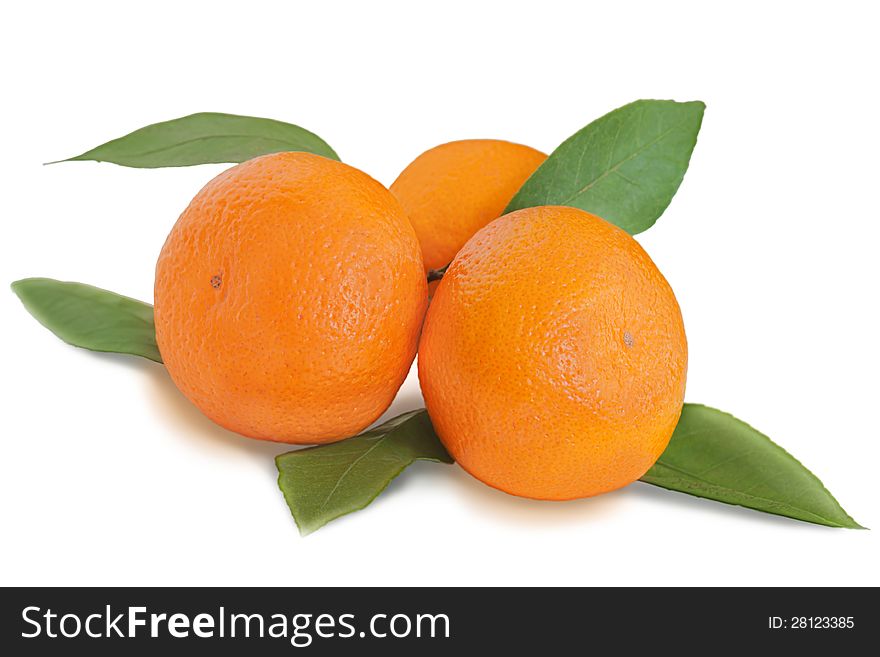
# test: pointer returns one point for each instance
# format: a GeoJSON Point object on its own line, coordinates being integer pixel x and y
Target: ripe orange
{"type": "Point", "coordinates": [553, 356]}
{"type": "Point", "coordinates": [453, 190]}
{"type": "Point", "coordinates": [289, 299]}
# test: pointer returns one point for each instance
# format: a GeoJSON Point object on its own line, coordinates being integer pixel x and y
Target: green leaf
{"type": "Point", "coordinates": [711, 455]}
{"type": "Point", "coordinates": [91, 318]}
{"type": "Point", "coordinates": [624, 167]}
{"type": "Point", "coordinates": [204, 138]}
{"type": "Point", "coordinates": [325, 482]}
{"type": "Point", "coordinates": [716, 456]}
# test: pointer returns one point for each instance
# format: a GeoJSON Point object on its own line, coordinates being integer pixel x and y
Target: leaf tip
{"type": "Point", "coordinates": [854, 525]}
{"type": "Point", "coordinates": [18, 286]}
{"type": "Point", "coordinates": [45, 164]}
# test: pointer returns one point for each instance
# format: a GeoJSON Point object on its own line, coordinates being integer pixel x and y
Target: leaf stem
{"type": "Point", "coordinates": [436, 274]}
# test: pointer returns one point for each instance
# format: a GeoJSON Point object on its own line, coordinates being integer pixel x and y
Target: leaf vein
{"type": "Point", "coordinates": [614, 169]}
{"type": "Point", "coordinates": [349, 469]}
{"type": "Point", "coordinates": [719, 487]}
{"type": "Point", "coordinates": [197, 139]}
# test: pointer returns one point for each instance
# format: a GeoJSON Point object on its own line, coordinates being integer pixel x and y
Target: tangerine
{"type": "Point", "coordinates": [289, 298]}
{"type": "Point", "coordinates": [553, 356]}
{"type": "Point", "coordinates": [451, 191]}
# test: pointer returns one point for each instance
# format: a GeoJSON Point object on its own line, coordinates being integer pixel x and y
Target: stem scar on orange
{"type": "Point", "coordinates": [553, 357]}
{"type": "Point", "coordinates": [289, 298]}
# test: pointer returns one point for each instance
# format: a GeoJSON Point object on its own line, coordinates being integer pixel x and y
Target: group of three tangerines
{"type": "Point", "coordinates": [291, 298]}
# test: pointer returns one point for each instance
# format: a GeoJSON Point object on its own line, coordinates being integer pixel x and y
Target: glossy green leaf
{"type": "Point", "coordinates": [624, 167]}
{"type": "Point", "coordinates": [90, 317]}
{"type": "Point", "coordinates": [716, 456]}
{"type": "Point", "coordinates": [204, 138]}
{"type": "Point", "coordinates": [325, 482]}
{"type": "Point", "coordinates": [711, 455]}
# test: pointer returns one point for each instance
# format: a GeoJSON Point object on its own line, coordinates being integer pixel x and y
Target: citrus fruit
{"type": "Point", "coordinates": [453, 190]}
{"type": "Point", "coordinates": [553, 356]}
{"type": "Point", "coordinates": [289, 298]}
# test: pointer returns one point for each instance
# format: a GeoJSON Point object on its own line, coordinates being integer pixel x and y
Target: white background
{"type": "Point", "coordinates": [109, 476]}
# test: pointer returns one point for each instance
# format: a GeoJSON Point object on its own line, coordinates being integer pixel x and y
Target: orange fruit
{"type": "Point", "coordinates": [289, 298]}
{"type": "Point", "coordinates": [553, 356]}
{"type": "Point", "coordinates": [453, 190]}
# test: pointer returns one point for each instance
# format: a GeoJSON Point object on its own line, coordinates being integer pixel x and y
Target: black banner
{"type": "Point", "coordinates": [112, 621]}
